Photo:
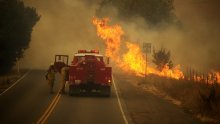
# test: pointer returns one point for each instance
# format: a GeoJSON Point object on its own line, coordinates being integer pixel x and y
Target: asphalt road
{"type": "Point", "coordinates": [29, 101]}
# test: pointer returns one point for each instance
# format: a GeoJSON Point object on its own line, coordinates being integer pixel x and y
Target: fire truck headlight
{"type": "Point", "coordinates": [109, 81]}
{"type": "Point", "coordinates": [77, 81]}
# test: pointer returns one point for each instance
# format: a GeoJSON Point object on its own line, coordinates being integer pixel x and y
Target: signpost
{"type": "Point", "coordinates": [147, 49]}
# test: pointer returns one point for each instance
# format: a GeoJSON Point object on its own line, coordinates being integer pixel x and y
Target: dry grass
{"type": "Point", "coordinates": [200, 99]}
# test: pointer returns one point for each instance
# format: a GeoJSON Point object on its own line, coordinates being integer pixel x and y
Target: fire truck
{"type": "Point", "coordinates": [88, 72]}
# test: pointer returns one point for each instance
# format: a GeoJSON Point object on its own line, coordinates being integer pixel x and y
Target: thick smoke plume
{"type": "Point", "coordinates": [65, 27]}
{"type": "Point", "coordinates": [200, 40]}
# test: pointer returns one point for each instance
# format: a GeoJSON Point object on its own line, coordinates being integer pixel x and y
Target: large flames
{"type": "Point", "coordinates": [133, 60]}
{"type": "Point", "coordinates": [111, 35]}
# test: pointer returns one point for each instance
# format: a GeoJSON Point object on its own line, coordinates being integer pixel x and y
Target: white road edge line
{"type": "Point", "coordinates": [119, 102]}
{"type": "Point", "coordinates": [15, 82]}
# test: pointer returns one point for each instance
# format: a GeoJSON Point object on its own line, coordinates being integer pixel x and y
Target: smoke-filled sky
{"type": "Point", "coordinates": [65, 26]}
{"type": "Point", "coordinates": [201, 20]}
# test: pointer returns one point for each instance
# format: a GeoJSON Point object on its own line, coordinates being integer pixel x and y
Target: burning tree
{"type": "Point", "coordinates": [162, 58]}
{"type": "Point", "coordinates": [16, 23]}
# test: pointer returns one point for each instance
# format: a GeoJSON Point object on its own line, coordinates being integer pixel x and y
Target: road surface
{"type": "Point", "coordinates": [29, 101]}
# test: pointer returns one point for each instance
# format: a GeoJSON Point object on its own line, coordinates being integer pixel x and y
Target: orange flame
{"type": "Point", "coordinates": [111, 35]}
{"type": "Point", "coordinates": [214, 77]}
{"type": "Point", "coordinates": [175, 73]}
{"type": "Point", "coordinates": [210, 78]}
{"type": "Point", "coordinates": [218, 76]}
{"type": "Point", "coordinates": [133, 60]}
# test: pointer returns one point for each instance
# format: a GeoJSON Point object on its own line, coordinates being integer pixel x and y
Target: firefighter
{"type": "Point", "coordinates": [64, 78]}
{"type": "Point", "coordinates": [50, 77]}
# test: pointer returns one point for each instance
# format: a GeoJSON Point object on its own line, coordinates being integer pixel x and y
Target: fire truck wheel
{"type": "Point", "coordinates": [74, 91]}
{"type": "Point", "coordinates": [106, 91]}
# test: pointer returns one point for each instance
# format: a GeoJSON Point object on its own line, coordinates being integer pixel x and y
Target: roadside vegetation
{"type": "Point", "coordinates": [16, 25]}
{"type": "Point", "coordinates": [198, 94]}
{"type": "Point", "coordinates": [161, 58]}
{"type": "Point", "coordinates": [200, 99]}
{"type": "Point", "coordinates": [7, 80]}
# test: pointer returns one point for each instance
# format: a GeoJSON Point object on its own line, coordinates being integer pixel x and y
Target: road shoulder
{"type": "Point", "coordinates": [144, 107]}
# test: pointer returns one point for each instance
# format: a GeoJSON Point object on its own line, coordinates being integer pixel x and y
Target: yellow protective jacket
{"type": "Point", "coordinates": [64, 73]}
{"type": "Point", "coordinates": [50, 75]}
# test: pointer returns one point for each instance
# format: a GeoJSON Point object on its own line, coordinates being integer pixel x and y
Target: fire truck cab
{"type": "Point", "coordinates": [89, 73]}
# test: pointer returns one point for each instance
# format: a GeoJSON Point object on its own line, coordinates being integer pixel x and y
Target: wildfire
{"type": "Point", "coordinates": [111, 35]}
{"type": "Point", "coordinates": [132, 60]}
{"type": "Point", "coordinates": [210, 78]}
{"type": "Point", "coordinates": [218, 76]}
{"type": "Point", "coordinates": [173, 73]}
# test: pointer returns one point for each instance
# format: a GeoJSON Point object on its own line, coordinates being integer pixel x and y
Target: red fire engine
{"type": "Point", "coordinates": [89, 72]}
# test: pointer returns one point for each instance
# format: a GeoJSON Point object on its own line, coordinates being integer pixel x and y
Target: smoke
{"type": "Point", "coordinates": [194, 43]}
{"type": "Point", "coordinates": [201, 37]}
{"type": "Point", "coordinates": [65, 27]}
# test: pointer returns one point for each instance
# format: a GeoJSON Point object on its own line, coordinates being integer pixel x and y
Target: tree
{"type": "Point", "coordinates": [161, 58]}
{"type": "Point", "coordinates": [153, 11]}
{"type": "Point", "coordinates": [16, 23]}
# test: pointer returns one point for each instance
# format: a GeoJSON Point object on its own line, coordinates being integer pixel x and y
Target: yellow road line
{"type": "Point", "coordinates": [48, 111]}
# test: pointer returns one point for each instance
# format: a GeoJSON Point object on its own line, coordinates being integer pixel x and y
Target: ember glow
{"type": "Point", "coordinates": [133, 60]}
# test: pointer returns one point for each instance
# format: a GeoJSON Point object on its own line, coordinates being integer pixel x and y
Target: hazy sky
{"type": "Point", "coordinates": [65, 27]}
{"type": "Point", "coordinates": [201, 19]}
